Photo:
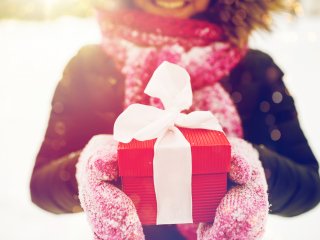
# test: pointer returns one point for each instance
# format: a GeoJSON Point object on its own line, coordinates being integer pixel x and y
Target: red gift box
{"type": "Point", "coordinates": [211, 154]}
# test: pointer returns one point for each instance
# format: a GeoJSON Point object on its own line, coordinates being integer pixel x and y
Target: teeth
{"type": "Point", "coordinates": [171, 4]}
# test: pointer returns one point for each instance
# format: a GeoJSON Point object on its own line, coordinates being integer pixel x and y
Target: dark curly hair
{"type": "Point", "coordinates": [238, 18]}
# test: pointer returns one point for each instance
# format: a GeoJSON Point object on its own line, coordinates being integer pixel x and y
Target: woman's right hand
{"type": "Point", "coordinates": [110, 212]}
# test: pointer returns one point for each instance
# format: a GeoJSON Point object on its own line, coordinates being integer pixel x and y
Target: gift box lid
{"type": "Point", "coordinates": [210, 149]}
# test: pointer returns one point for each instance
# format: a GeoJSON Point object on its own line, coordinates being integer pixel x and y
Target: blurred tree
{"type": "Point", "coordinates": [311, 6]}
{"type": "Point", "coordinates": [45, 9]}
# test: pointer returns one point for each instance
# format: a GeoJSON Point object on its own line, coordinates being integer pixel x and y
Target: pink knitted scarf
{"type": "Point", "coordinates": [139, 42]}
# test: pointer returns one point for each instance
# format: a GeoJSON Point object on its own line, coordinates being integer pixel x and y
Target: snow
{"type": "Point", "coordinates": [32, 58]}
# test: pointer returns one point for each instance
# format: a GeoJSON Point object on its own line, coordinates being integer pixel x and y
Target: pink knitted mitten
{"type": "Point", "coordinates": [242, 213]}
{"type": "Point", "coordinates": [110, 212]}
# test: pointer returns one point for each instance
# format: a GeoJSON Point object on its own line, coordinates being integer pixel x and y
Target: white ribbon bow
{"type": "Point", "coordinates": [172, 163]}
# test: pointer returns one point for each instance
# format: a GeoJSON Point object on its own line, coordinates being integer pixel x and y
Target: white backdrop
{"type": "Point", "coordinates": [32, 57]}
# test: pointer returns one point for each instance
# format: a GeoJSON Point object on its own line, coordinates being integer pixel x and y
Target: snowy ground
{"type": "Point", "coordinates": [32, 56]}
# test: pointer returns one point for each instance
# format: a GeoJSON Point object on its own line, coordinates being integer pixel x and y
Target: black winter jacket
{"type": "Point", "coordinates": [89, 98]}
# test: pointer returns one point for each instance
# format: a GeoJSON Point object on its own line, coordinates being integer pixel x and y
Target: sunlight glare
{"type": "Point", "coordinates": [49, 5]}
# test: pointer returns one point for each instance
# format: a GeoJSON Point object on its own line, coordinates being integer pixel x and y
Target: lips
{"type": "Point", "coordinates": [175, 4]}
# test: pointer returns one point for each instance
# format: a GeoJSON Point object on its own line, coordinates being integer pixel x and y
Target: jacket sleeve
{"type": "Point", "coordinates": [85, 103]}
{"type": "Point", "coordinates": [272, 125]}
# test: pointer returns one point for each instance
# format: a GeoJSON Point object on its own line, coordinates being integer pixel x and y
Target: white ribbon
{"type": "Point", "coordinates": [172, 163]}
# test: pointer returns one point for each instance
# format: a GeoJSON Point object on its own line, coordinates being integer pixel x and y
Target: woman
{"type": "Point", "coordinates": [242, 87]}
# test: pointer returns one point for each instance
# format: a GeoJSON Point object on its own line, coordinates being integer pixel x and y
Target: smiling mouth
{"type": "Point", "coordinates": [172, 4]}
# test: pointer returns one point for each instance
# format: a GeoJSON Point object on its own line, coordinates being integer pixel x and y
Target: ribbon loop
{"type": "Point", "coordinates": [171, 84]}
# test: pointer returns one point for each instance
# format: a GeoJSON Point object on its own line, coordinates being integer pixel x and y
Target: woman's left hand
{"type": "Point", "coordinates": [243, 211]}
